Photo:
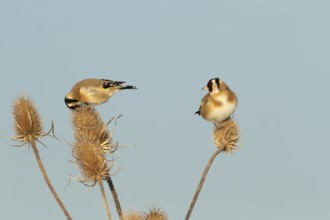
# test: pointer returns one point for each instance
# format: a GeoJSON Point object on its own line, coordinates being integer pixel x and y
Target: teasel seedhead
{"type": "Point", "coordinates": [89, 127]}
{"type": "Point", "coordinates": [155, 213]}
{"type": "Point", "coordinates": [91, 161]}
{"type": "Point", "coordinates": [133, 215]}
{"type": "Point", "coordinates": [28, 127]}
{"type": "Point", "coordinates": [226, 135]}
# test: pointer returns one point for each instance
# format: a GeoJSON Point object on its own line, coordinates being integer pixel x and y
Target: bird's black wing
{"type": "Point", "coordinates": [110, 83]}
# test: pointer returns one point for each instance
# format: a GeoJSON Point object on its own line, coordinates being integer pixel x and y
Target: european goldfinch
{"type": "Point", "coordinates": [93, 91]}
{"type": "Point", "coordinates": [219, 104]}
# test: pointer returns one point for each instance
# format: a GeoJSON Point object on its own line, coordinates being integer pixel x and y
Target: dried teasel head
{"type": "Point", "coordinates": [133, 215]}
{"type": "Point", "coordinates": [91, 161]}
{"type": "Point", "coordinates": [226, 135]}
{"type": "Point", "coordinates": [28, 125]}
{"type": "Point", "coordinates": [89, 127]}
{"type": "Point", "coordinates": [155, 214]}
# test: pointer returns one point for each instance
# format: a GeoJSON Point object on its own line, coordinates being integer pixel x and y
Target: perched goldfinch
{"type": "Point", "coordinates": [219, 104]}
{"type": "Point", "coordinates": [93, 91]}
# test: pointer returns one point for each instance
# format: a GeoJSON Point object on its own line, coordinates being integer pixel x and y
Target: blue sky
{"type": "Point", "coordinates": [273, 54]}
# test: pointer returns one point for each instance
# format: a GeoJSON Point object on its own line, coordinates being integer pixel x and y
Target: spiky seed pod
{"type": "Point", "coordinates": [91, 161]}
{"type": "Point", "coordinates": [89, 127]}
{"type": "Point", "coordinates": [133, 215]}
{"type": "Point", "coordinates": [155, 214]}
{"type": "Point", "coordinates": [226, 136]}
{"type": "Point", "coordinates": [28, 130]}
{"type": "Point", "coordinates": [28, 126]}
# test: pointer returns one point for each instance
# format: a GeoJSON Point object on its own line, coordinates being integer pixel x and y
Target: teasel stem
{"type": "Point", "coordinates": [201, 182]}
{"type": "Point", "coordinates": [105, 202]}
{"type": "Point", "coordinates": [115, 198]}
{"type": "Point", "coordinates": [50, 186]}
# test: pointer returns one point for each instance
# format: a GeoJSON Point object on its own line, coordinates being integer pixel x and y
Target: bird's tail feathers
{"type": "Point", "coordinates": [127, 87]}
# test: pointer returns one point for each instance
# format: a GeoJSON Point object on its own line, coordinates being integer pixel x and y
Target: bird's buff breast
{"type": "Point", "coordinates": [218, 112]}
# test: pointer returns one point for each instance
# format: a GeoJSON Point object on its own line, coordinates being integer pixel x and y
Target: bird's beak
{"type": "Point", "coordinates": [205, 88]}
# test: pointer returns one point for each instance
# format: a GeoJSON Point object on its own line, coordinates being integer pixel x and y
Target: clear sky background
{"type": "Point", "coordinates": [274, 54]}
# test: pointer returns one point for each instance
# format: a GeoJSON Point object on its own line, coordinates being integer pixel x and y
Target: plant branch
{"type": "Point", "coordinates": [105, 202]}
{"type": "Point", "coordinates": [50, 186]}
{"type": "Point", "coordinates": [115, 198]}
{"type": "Point", "coordinates": [201, 182]}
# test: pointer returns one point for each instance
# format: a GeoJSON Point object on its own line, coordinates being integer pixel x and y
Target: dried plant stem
{"type": "Point", "coordinates": [51, 188]}
{"type": "Point", "coordinates": [105, 202]}
{"type": "Point", "coordinates": [115, 198]}
{"type": "Point", "coordinates": [201, 182]}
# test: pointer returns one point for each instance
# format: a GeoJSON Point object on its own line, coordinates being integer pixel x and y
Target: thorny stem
{"type": "Point", "coordinates": [201, 182]}
{"type": "Point", "coordinates": [105, 202]}
{"type": "Point", "coordinates": [115, 198]}
{"type": "Point", "coordinates": [51, 188]}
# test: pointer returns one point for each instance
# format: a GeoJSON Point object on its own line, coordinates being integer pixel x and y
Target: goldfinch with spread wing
{"type": "Point", "coordinates": [93, 91]}
{"type": "Point", "coordinates": [219, 104]}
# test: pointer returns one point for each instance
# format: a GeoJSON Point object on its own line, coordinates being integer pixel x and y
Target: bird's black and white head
{"type": "Point", "coordinates": [213, 85]}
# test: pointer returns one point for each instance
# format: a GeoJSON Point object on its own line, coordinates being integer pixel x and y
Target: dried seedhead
{"type": "Point", "coordinates": [155, 214]}
{"type": "Point", "coordinates": [133, 215]}
{"type": "Point", "coordinates": [89, 127]}
{"type": "Point", "coordinates": [28, 126]}
{"type": "Point", "coordinates": [226, 135]}
{"type": "Point", "coordinates": [91, 161]}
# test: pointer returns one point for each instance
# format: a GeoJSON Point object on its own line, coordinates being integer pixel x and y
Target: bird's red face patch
{"type": "Point", "coordinates": [209, 85]}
